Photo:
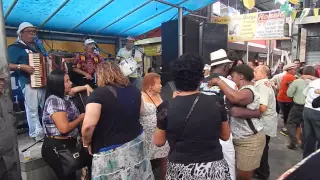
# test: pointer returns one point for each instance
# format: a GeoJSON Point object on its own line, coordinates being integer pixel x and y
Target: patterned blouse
{"type": "Point", "coordinates": [239, 127]}
{"type": "Point", "coordinates": [87, 63]}
{"type": "Point", "coordinates": [55, 104]}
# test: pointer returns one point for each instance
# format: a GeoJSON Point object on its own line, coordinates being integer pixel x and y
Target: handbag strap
{"type": "Point", "coordinates": [186, 120]}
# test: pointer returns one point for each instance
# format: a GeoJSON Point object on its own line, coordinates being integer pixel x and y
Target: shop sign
{"type": "Point", "coordinates": [266, 25]}
{"type": "Point", "coordinates": [152, 50]}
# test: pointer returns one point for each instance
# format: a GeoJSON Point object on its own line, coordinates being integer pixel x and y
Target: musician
{"type": "Point", "coordinates": [19, 62]}
{"type": "Point", "coordinates": [127, 52]}
{"type": "Point", "coordinates": [86, 63]}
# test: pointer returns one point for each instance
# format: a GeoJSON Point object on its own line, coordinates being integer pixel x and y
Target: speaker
{"type": "Point", "coordinates": [169, 43]}
{"type": "Point", "coordinates": [212, 37]}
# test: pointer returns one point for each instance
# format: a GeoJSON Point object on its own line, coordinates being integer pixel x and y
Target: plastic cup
{"type": "Point", "coordinates": [27, 155]}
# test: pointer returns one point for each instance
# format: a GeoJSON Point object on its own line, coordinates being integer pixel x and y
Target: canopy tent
{"type": "Point", "coordinates": [96, 17]}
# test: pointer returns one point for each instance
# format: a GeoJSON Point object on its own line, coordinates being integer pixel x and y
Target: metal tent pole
{"type": "Point", "coordinates": [3, 47]}
{"type": "Point", "coordinates": [180, 31]}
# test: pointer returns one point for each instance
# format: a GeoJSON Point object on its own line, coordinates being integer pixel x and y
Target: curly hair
{"type": "Point", "coordinates": [187, 72]}
{"type": "Point", "coordinates": [149, 80]}
{"type": "Point", "coordinates": [109, 73]}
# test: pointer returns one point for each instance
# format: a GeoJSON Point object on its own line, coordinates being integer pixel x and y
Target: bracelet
{"type": "Point", "coordinates": [19, 66]}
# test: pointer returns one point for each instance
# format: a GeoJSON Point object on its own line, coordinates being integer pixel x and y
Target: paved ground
{"type": "Point", "coordinates": [280, 158]}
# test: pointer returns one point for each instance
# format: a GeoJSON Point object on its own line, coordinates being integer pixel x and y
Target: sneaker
{"type": "Point", "coordinates": [292, 146]}
{"type": "Point", "coordinates": [284, 131]}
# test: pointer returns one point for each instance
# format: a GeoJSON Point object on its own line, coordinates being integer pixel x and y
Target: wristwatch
{"type": "Point", "coordinates": [19, 66]}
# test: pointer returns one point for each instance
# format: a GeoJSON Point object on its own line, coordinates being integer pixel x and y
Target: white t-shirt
{"type": "Point", "coordinates": [311, 94]}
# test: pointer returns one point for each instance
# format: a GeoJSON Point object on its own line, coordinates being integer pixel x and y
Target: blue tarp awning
{"type": "Point", "coordinates": [96, 17]}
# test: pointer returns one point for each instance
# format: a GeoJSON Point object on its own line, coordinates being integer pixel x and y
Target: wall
{"type": "Point", "coordinates": [70, 46]}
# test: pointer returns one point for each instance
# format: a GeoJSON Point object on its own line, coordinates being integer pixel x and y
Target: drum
{"type": "Point", "coordinates": [128, 66]}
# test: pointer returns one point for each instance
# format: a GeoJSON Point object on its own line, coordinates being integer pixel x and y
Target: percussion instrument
{"type": "Point", "coordinates": [128, 66]}
{"type": "Point", "coordinates": [39, 77]}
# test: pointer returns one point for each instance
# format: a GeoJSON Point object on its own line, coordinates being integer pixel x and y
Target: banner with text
{"type": "Point", "coordinates": [254, 26]}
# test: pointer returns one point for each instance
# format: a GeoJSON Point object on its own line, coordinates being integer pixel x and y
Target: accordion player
{"type": "Point", "coordinates": [39, 77]}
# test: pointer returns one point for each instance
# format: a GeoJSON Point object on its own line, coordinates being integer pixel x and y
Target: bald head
{"type": "Point", "coordinates": [261, 72]}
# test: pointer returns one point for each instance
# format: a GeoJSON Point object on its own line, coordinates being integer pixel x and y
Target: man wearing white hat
{"type": "Point", "coordinates": [220, 67]}
{"type": "Point", "coordinates": [127, 52]}
{"type": "Point", "coordinates": [19, 62]}
{"type": "Point", "coordinates": [86, 63]}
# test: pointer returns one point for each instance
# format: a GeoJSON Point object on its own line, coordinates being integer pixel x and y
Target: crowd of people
{"type": "Point", "coordinates": [215, 122]}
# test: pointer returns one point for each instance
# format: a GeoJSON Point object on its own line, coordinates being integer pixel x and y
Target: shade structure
{"type": "Point", "coordinates": [96, 17]}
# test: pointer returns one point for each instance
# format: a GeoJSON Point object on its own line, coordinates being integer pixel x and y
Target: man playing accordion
{"type": "Point", "coordinates": [19, 62]}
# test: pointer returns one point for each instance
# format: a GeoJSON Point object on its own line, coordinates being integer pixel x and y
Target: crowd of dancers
{"type": "Point", "coordinates": [211, 121]}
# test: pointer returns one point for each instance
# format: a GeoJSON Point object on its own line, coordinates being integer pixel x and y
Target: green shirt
{"type": "Point", "coordinates": [295, 90]}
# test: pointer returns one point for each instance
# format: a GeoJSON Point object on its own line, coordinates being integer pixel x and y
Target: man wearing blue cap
{"type": "Point", "coordinates": [19, 62]}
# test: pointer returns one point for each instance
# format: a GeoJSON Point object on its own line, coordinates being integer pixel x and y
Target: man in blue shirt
{"type": "Point", "coordinates": [19, 62]}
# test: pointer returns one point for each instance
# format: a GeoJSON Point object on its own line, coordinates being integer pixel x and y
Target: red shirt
{"type": "Point", "coordinates": [284, 85]}
{"type": "Point", "coordinates": [87, 63]}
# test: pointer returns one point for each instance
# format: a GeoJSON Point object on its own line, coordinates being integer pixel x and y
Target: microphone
{"type": "Point", "coordinates": [40, 46]}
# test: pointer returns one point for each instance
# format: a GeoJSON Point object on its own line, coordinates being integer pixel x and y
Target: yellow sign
{"type": "Point", "coordinates": [152, 50]}
{"type": "Point", "coordinates": [253, 26]}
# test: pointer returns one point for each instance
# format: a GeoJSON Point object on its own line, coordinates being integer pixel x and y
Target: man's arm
{"type": "Point", "coordinates": [292, 89]}
{"type": "Point", "coordinates": [13, 58]}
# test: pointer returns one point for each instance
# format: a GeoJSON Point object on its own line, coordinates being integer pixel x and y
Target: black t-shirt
{"type": "Point", "coordinates": [119, 119]}
{"type": "Point", "coordinates": [199, 142]}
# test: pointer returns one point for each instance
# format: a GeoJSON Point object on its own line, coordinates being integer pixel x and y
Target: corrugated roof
{"type": "Point", "coordinates": [98, 17]}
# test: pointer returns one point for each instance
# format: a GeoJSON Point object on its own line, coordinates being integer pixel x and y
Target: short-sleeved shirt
{"type": "Point", "coordinates": [55, 104]}
{"type": "Point", "coordinates": [87, 62]}
{"type": "Point", "coordinates": [312, 92]}
{"type": "Point", "coordinates": [268, 119]}
{"type": "Point", "coordinates": [125, 53]}
{"type": "Point", "coordinates": [295, 90]}
{"type": "Point", "coordinates": [284, 85]}
{"type": "Point", "coordinates": [18, 54]}
{"type": "Point", "coordinates": [119, 118]}
{"type": "Point", "coordinates": [199, 141]}
{"type": "Point", "coordinates": [239, 127]}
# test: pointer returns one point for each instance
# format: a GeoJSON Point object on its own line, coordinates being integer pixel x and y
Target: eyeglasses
{"type": "Point", "coordinates": [30, 31]}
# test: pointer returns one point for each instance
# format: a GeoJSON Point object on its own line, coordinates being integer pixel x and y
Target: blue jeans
{"type": "Point", "coordinates": [33, 99]}
{"type": "Point", "coordinates": [311, 130]}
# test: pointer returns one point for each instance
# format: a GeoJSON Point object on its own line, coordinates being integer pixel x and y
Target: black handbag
{"type": "Point", "coordinates": [72, 159]}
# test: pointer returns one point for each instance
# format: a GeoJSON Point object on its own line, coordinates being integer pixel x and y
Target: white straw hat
{"type": "Point", "coordinates": [219, 57]}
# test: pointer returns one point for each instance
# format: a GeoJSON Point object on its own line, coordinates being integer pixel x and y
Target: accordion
{"type": "Point", "coordinates": [39, 77]}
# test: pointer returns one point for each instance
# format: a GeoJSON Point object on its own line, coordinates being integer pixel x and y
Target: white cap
{"type": "Point", "coordinates": [89, 41]}
{"type": "Point", "coordinates": [289, 66]}
{"type": "Point", "coordinates": [219, 57]}
{"type": "Point", "coordinates": [207, 67]}
{"type": "Point", "coordinates": [130, 38]}
{"type": "Point", "coordinates": [24, 25]}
